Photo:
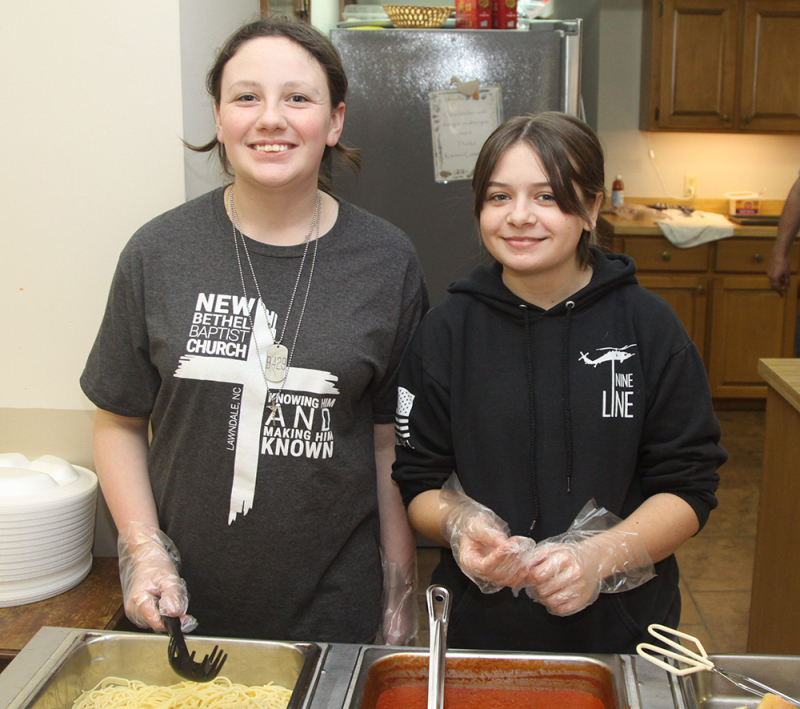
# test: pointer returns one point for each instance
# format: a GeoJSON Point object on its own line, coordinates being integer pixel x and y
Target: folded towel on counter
{"type": "Point", "coordinates": [694, 230]}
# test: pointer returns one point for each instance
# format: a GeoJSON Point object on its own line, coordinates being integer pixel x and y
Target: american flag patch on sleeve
{"type": "Point", "coordinates": [405, 400]}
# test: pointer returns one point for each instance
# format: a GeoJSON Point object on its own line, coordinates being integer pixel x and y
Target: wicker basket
{"type": "Point", "coordinates": [417, 16]}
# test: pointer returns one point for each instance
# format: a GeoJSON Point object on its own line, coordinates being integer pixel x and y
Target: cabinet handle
{"type": "Point", "coordinates": [701, 289]}
{"type": "Point", "coordinates": [747, 119]}
{"type": "Point", "coordinates": [758, 258]}
{"type": "Point", "coordinates": [666, 256]}
{"type": "Point", "coordinates": [726, 117]}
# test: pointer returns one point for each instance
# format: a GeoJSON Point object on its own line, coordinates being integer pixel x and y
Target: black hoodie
{"type": "Point", "coordinates": [603, 396]}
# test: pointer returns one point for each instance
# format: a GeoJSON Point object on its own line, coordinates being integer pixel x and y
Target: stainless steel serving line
{"type": "Point", "coordinates": [58, 663]}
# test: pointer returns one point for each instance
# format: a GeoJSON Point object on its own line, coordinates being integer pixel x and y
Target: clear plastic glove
{"type": "Point", "coordinates": [400, 613]}
{"type": "Point", "coordinates": [568, 572]}
{"type": "Point", "coordinates": [148, 572]}
{"type": "Point", "coordinates": [480, 543]}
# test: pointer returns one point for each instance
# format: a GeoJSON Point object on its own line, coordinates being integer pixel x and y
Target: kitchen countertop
{"type": "Point", "coordinates": [612, 224]}
{"type": "Point", "coordinates": [774, 624]}
{"type": "Point", "coordinates": [619, 226]}
{"type": "Point", "coordinates": [783, 375]}
{"type": "Point", "coordinates": [95, 603]}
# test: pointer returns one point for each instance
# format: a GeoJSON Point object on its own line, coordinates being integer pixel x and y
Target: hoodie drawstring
{"type": "Point", "coordinates": [531, 417]}
{"type": "Point", "coordinates": [565, 395]}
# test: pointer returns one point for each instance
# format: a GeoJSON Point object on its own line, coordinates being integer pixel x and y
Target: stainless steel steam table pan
{"type": "Point", "coordinates": [58, 664]}
{"type": "Point", "coordinates": [707, 690]}
{"type": "Point", "coordinates": [612, 679]}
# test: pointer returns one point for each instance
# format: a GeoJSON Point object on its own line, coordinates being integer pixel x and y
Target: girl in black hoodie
{"type": "Point", "coordinates": [549, 381]}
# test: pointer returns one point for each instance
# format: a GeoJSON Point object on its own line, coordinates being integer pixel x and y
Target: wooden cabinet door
{"type": "Point", "coordinates": [699, 43]}
{"type": "Point", "coordinates": [770, 79]}
{"type": "Point", "coordinates": [748, 321]}
{"type": "Point", "coordinates": [688, 297]}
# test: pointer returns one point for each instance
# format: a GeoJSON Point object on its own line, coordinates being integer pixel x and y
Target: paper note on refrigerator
{"type": "Point", "coordinates": [459, 126]}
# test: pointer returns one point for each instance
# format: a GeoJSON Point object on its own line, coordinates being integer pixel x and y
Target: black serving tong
{"type": "Point", "coordinates": [183, 662]}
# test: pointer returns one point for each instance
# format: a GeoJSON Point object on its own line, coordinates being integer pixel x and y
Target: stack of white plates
{"type": "Point", "coordinates": [47, 511]}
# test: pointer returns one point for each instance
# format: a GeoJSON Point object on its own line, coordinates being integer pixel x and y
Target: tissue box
{"type": "Point", "coordinates": [743, 203]}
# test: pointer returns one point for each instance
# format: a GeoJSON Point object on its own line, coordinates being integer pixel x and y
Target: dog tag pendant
{"type": "Point", "coordinates": [275, 366]}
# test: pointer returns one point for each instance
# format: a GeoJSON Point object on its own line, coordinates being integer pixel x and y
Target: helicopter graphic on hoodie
{"type": "Point", "coordinates": [618, 404]}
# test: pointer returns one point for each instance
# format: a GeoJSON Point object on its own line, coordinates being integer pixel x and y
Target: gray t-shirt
{"type": "Point", "coordinates": [275, 514]}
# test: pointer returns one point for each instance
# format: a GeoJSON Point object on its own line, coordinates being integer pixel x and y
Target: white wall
{"type": "Point", "coordinates": [91, 150]}
{"type": "Point", "coordinates": [204, 28]}
{"type": "Point", "coordinates": [93, 115]}
{"type": "Point", "coordinates": [723, 163]}
{"type": "Point", "coordinates": [325, 14]}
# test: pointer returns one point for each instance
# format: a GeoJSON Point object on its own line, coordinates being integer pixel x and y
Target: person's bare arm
{"type": "Point", "coordinates": [120, 446]}
{"type": "Point", "coordinates": [778, 268]}
{"type": "Point", "coordinates": [663, 522]}
{"type": "Point", "coordinates": [426, 513]}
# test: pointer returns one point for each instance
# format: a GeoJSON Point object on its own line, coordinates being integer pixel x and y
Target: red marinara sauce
{"type": "Point", "coordinates": [408, 696]}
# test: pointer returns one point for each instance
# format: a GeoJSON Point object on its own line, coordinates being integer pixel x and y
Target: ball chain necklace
{"type": "Point", "coordinates": [275, 366]}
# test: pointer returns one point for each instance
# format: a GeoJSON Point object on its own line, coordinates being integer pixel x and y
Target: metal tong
{"type": "Point", "coordinates": [697, 661]}
{"type": "Point", "coordinates": [183, 662]}
{"type": "Point", "coordinates": [438, 598]}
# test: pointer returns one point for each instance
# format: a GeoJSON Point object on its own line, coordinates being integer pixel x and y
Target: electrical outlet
{"type": "Point", "coordinates": [690, 186]}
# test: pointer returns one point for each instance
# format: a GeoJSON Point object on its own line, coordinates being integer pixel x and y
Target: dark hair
{"type": "Point", "coordinates": [570, 154]}
{"type": "Point", "coordinates": [304, 35]}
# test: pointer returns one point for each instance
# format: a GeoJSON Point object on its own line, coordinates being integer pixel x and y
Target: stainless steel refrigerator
{"type": "Point", "coordinates": [391, 73]}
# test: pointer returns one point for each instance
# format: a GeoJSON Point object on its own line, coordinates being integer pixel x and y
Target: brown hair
{"type": "Point", "coordinates": [316, 44]}
{"type": "Point", "coordinates": [570, 154]}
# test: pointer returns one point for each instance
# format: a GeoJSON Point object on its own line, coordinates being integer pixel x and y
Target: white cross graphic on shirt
{"type": "Point", "coordinates": [249, 375]}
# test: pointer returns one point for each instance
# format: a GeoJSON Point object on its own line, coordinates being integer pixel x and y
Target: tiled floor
{"type": "Point", "coordinates": [717, 564]}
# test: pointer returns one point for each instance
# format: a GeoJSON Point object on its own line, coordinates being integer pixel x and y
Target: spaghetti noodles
{"type": "Point", "coordinates": [220, 693]}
